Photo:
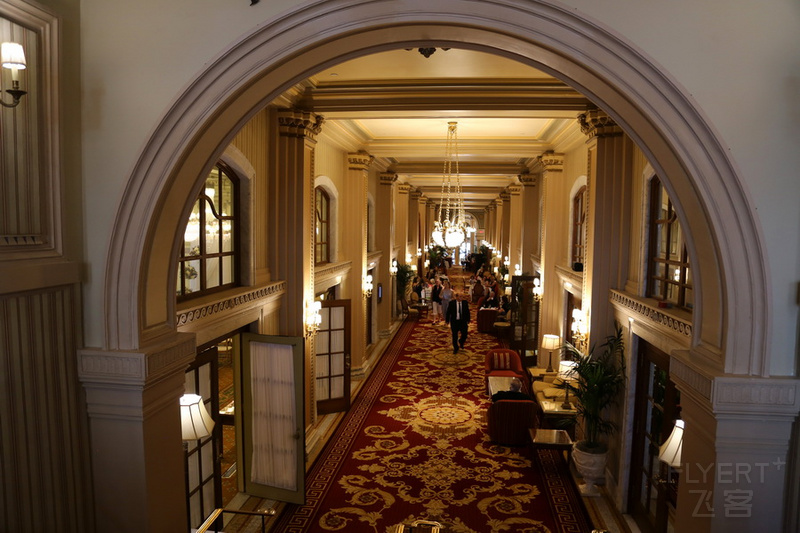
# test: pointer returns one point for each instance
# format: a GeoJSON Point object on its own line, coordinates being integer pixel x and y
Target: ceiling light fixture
{"type": "Point", "coordinates": [450, 232]}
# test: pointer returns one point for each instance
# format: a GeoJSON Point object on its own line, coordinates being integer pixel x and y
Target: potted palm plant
{"type": "Point", "coordinates": [595, 381]}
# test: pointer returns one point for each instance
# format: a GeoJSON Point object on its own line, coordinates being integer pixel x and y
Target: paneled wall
{"type": "Point", "coordinates": [45, 467]}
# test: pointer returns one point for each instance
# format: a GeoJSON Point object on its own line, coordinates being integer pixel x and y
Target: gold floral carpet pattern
{"type": "Point", "coordinates": [414, 446]}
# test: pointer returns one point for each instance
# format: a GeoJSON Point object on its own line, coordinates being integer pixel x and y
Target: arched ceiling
{"type": "Point", "coordinates": [397, 104]}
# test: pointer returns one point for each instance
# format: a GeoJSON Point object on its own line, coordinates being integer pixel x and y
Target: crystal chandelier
{"type": "Point", "coordinates": [450, 230]}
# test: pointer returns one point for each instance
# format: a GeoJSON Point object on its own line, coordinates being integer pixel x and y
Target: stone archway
{"type": "Point", "coordinates": [730, 279]}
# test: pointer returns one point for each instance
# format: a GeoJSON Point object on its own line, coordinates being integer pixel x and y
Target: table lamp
{"type": "Point", "coordinates": [565, 373]}
{"type": "Point", "coordinates": [550, 342]}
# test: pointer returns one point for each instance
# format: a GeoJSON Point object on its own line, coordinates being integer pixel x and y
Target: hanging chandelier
{"type": "Point", "coordinates": [450, 229]}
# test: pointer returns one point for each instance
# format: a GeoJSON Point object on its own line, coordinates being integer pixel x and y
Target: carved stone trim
{"type": "Point", "coordinates": [528, 179]}
{"type": "Point", "coordinates": [387, 178]}
{"type": "Point", "coordinates": [682, 372]}
{"type": "Point", "coordinates": [550, 161]}
{"type": "Point", "coordinates": [596, 123]}
{"type": "Point", "coordinates": [514, 190]}
{"type": "Point", "coordinates": [332, 270]}
{"type": "Point", "coordinates": [771, 396]}
{"type": "Point", "coordinates": [404, 188]}
{"type": "Point", "coordinates": [296, 123]}
{"type": "Point", "coordinates": [359, 160]}
{"type": "Point", "coordinates": [652, 313]}
{"type": "Point", "coordinates": [221, 306]}
{"type": "Point", "coordinates": [106, 366]}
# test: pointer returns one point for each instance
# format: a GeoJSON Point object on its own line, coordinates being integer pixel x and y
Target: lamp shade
{"type": "Point", "coordinates": [670, 451]}
{"type": "Point", "coordinates": [565, 369]}
{"type": "Point", "coordinates": [13, 56]}
{"type": "Point", "coordinates": [196, 423]}
{"type": "Point", "coordinates": [550, 342]}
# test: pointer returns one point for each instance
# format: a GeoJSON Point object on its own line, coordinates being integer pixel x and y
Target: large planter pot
{"type": "Point", "coordinates": [591, 466]}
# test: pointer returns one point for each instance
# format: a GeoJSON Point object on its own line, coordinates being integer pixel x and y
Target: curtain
{"type": "Point", "coordinates": [274, 420]}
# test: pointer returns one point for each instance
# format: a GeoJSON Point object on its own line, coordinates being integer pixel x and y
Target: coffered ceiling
{"type": "Point", "coordinates": [397, 105]}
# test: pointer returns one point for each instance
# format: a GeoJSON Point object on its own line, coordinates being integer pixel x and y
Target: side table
{"type": "Point", "coordinates": [552, 439]}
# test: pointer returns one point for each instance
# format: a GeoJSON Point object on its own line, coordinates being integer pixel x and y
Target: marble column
{"type": "Point", "coordinates": [516, 227]}
{"type": "Point", "coordinates": [292, 228]}
{"type": "Point", "coordinates": [384, 237]}
{"type": "Point", "coordinates": [608, 218]}
{"type": "Point", "coordinates": [550, 166]}
{"type": "Point", "coordinates": [531, 231]}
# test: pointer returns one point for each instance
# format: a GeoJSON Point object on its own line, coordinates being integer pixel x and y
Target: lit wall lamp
{"type": "Point", "coordinates": [517, 270]}
{"type": "Point", "coordinates": [579, 329]}
{"type": "Point", "coordinates": [313, 318]}
{"type": "Point", "coordinates": [367, 286]}
{"type": "Point", "coordinates": [13, 57]}
{"type": "Point", "coordinates": [393, 268]}
{"type": "Point", "coordinates": [538, 292]}
{"type": "Point", "coordinates": [196, 423]}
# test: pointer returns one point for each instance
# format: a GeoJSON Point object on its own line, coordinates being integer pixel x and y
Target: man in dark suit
{"type": "Point", "coordinates": [458, 318]}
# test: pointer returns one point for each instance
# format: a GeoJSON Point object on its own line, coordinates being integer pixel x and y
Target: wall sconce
{"type": "Point", "coordinates": [505, 259]}
{"type": "Point", "coordinates": [196, 423]}
{"type": "Point", "coordinates": [13, 57]}
{"type": "Point", "coordinates": [517, 270]}
{"type": "Point", "coordinates": [409, 259]}
{"type": "Point", "coordinates": [366, 286]}
{"type": "Point", "coordinates": [538, 292]}
{"type": "Point", "coordinates": [413, 268]}
{"type": "Point", "coordinates": [579, 329]}
{"type": "Point", "coordinates": [393, 268]}
{"type": "Point", "coordinates": [313, 318]}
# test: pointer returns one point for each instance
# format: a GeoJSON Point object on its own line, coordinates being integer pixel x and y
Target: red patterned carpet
{"type": "Point", "coordinates": [414, 446]}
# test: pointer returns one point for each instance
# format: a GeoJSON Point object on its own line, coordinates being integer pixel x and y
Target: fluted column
{"type": "Point", "coordinates": [554, 235]}
{"type": "Point", "coordinates": [384, 237]}
{"type": "Point", "coordinates": [413, 223]}
{"type": "Point", "coordinates": [532, 230]}
{"type": "Point", "coordinates": [292, 228]}
{"type": "Point", "coordinates": [516, 227]}
{"type": "Point", "coordinates": [505, 198]}
{"type": "Point", "coordinates": [401, 205]}
{"type": "Point", "coordinates": [353, 216]}
{"type": "Point", "coordinates": [608, 216]}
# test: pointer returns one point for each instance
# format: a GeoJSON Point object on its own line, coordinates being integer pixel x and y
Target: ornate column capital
{"type": "Point", "coordinates": [297, 123]}
{"type": "Point", "coordinates": [359, 160]}
{"type": "Point", "coordinates": [528, 180]}
{"type": "Point", "coordinates": [404, 188]}
{"type": "Point", "coordinates": [514, 190]}
{"type": "Point", "coordinates": [387, 178]}
{"type": "Point", "coordinates": [416, 194]}
{"type": "Point", "coordinates": [596, 123]}
{"type": "Point", "coordinates": [550, 161]}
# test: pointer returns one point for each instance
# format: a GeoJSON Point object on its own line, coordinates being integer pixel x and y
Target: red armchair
{"type": "Point", "coordinates": [505, 362]}
{"type": "Point", "coordinates": [510, 420]}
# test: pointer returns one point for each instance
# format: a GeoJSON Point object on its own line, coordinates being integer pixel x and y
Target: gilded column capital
{"type": "Point", "coordinates": [528, 180]}
{"type": "Point", "coordinates": [597, 123]}
{"type": "Point", "coordinates": [359, 160]}
{"type": "Point", "coordinates": [297, 123]}
{"type": "Point", "coordinates": [404, 188]}
{"type": "Point", "coordinates": [387, 178]}
{"type": "Point", "coordinates": [514, 190]}
{"type": "Point", "coordinates": [550, 162]}
{"type": "Point", "coordinates": [505, 195]}
{"type": "Point", "coordinates": [416, 194]}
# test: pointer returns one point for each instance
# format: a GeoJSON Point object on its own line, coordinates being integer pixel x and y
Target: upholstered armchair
{"type": "Point", "coordinates": [485, 320]}
{"type": "Point", "coordinates": [510, 420]}
{"type": "Point", "coordinates": [506, 362]}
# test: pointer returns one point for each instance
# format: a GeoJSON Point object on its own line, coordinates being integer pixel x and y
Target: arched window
{"type": "Point", "coordinates": [208, 261]}
{"type": "Point", "coordinates": [578, 228]}
{"type": "Point", "coordinates": [669, 276]}
{"type": "Point", "coordinates": [322, 240]}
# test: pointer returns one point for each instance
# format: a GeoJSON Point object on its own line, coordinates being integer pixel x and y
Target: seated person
{"type": "Point", "coordinates": [491, 301]}
{"type": "Point", "coordinates": [513, 393]}
{"type": "Point", "coordinates": [505, 305]}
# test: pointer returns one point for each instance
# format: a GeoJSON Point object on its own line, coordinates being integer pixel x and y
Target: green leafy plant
{"type": "Point", "coordinates": [404, 276]}
{"type": "Point", "coordinates": [595, 382]}
{"type": "Point", "coordinates": [436, 254]}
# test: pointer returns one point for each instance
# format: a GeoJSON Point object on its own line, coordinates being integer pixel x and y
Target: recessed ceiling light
{"type": "Point", "coordinates": [334, 73]}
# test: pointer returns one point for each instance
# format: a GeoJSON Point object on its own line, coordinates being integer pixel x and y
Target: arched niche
{"type": "Point", "coordinates": [731, 313]}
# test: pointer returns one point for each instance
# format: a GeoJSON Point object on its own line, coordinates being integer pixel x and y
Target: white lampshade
{"type": "Point", "coordinates": [13, 56]}
{"type": "Point", "coordinates": [670, 451]}
{"type": "Point", "coordinates": [196, 423]}
{"type": "Point", "coordinates": [550, 342]}
{"type": "Point", "coordinates": [565, 369]}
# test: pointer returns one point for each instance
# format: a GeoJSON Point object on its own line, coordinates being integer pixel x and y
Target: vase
{"type": "Point", "coordinates": [591, 466]}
